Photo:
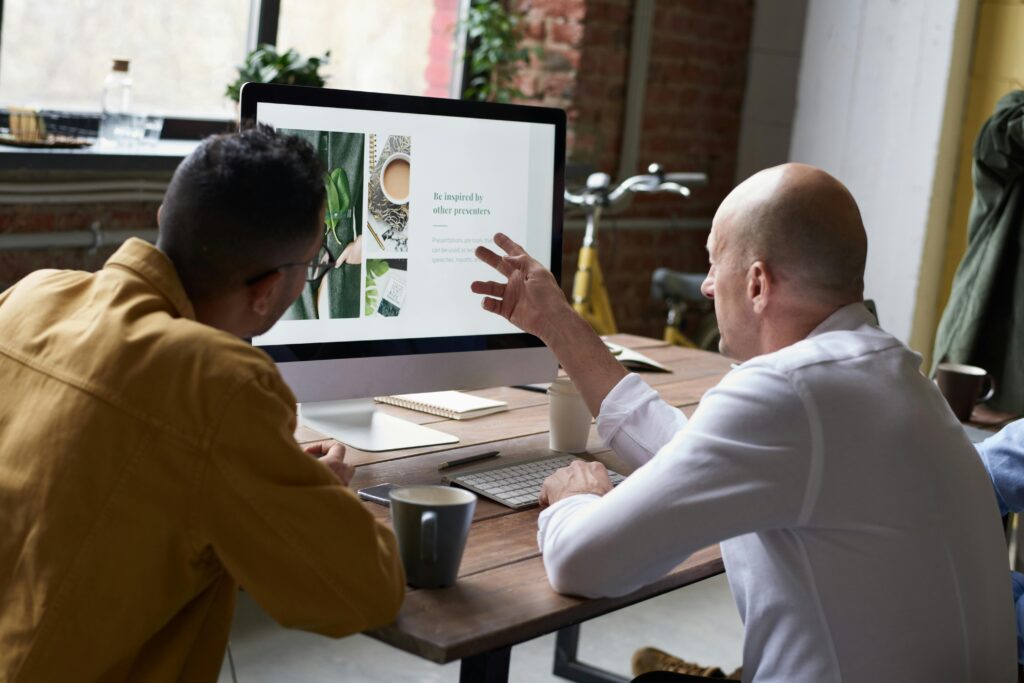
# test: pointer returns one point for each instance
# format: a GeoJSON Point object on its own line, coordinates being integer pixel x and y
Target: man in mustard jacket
{"type": "Point", "coordinates": [147, 463]}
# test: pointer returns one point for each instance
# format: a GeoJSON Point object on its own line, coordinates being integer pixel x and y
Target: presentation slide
{"type": "Point", "coordinates": [409, 198]}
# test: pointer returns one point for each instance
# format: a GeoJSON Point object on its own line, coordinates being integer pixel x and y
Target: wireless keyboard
{"type": "Point", "coordinates": [516, 485]}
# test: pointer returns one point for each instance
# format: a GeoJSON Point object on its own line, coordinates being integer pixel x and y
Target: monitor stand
{"type": "Point", "coordinates": [358, 423]}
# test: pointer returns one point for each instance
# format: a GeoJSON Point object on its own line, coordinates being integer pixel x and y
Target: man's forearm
{"type": "Point", "coordinates": [582, 353]}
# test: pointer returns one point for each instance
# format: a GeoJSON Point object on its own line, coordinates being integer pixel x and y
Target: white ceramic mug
{"type": "Point", "coordinates": [570, 417]}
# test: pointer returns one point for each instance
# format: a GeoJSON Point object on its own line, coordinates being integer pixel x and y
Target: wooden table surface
{"type": "Point", "coordinates": [502, 596]}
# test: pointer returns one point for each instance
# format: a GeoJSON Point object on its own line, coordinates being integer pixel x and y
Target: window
{"type": "Point", "coordinates": [56, 54]}
{"type": "Point", "coordinates": [379, 46]}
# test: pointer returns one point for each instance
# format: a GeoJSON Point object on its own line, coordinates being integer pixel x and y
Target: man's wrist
{"type": "Point", "coordinates": [568, 330]}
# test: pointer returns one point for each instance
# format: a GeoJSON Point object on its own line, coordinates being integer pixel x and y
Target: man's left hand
{"type": "Point", "coordinates": [579, 477]}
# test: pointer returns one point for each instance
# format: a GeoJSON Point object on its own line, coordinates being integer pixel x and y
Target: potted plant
{"type": "Point", "coordinates": [266, 65]}
{"type": "Point", "coordinates": [495, 55]}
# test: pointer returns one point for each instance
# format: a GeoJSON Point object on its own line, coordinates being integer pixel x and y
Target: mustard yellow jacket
{"type": "Point", "coordinates": [148, 467]}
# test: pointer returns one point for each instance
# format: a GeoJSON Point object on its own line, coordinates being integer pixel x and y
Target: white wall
{"type": "Point", "coordinates": [769, 99]}
{"type": "Point", "coordinates": [871, 101]}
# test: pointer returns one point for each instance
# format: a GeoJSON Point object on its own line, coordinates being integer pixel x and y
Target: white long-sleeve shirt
{"type": "Point", "coordinates": [859, 531]}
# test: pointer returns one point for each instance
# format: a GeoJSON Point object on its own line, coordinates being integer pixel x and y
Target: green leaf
{"type": "Point", "coordinates": [377, 267]}
{"type": "Point", "coordinates": [339, 178]}
{"type": "Point", "coordinates": [266, 65]}
{"type": "Point", "coordinates": [374, 269]}
{"type": "Point", "coordinates": [495, 51]}
{"type": "Point", "coordinates": [332, 201]}
{"type": "Point", "coordinates": [339, 199]}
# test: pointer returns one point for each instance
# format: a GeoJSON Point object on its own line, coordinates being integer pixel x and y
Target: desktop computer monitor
{"type": "Point", "coordinates": [414, 185]}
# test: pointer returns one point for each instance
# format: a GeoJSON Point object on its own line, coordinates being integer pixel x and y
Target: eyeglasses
{"type": "Point", "coordinates": [316, 267]}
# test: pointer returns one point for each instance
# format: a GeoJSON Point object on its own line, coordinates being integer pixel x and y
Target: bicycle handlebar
{"type": "Point", "coordinates": [655, 181]}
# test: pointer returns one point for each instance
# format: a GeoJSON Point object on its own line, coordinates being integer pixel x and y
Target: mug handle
{"type": "Point", "coordinates": [428, 536]}
{"type": "Point", "coordinates": [991, 389]}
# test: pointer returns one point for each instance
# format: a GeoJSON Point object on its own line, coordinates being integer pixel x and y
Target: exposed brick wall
{"type": "Point", "coordinates": [599, 104]}
{"type": "Point", "coordinates": [46, 218]}
{"type": "Point", "coordinates": [553, 77]}
{"type": "Point", "coordinates": [692, 107]}
{"type": "Point", "coordinates": [695, 86]}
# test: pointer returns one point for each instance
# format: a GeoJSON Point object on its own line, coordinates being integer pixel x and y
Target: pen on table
{"type": "Point", "coordinates": [467, 459]}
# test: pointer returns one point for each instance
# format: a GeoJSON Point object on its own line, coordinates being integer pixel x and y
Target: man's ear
{"type": "Point", "coordinates": [261, 292]}
{"type": "Point", "coordinates": [759, 285]}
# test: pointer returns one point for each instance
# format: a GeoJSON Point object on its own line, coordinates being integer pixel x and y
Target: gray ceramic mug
{"type": "Point", "coordinates": [431, 524]}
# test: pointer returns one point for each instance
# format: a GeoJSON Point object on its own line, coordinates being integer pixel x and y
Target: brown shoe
{"type": "Point", "coordinates": [652, 659]}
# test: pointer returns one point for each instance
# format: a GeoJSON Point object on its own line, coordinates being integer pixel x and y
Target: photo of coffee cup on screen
{"type": "Point", "coordinates": [394, 178]}
{"type": "Point", "coordinates": [388, 191]}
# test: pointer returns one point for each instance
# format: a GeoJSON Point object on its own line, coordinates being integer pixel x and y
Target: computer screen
{"type": "Point", "coordinates": [413, 186]}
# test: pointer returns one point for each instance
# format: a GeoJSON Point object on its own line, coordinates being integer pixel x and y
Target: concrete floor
{"type": "Point", "coordinates": [699, 623]}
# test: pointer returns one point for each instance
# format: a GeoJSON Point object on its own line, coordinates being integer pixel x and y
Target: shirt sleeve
{"type": "Point", "coordinates": [1003, 457]}
{"type": "Point", "coordinates": [285, 527]}
{"type": "Point", "coordinates": [740, 465]}
{"type": "Point", "coordinates": [1017, 581]}
{"type": "Point", "coordinates": [635, 422]}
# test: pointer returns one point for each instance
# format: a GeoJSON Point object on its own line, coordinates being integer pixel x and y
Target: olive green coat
{"type": "Point", "coordinates": [983, 323]}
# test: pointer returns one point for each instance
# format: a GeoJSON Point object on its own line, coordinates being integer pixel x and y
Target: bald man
{"type": "Point", "coordinates": [860, 533]}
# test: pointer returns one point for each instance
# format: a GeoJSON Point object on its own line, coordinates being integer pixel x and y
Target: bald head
{"type": "Point", "coordinates": [804, 224]}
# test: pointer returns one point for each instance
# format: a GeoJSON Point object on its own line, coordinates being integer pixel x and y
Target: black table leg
{"type": "Point", "coordinates": [567, 666]}
{"type": "Point", "coordinates": [490, 667]}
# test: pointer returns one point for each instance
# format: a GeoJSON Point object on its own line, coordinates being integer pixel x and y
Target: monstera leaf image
{"type": "Point", "coordinates": [375, 268]}
{"type": "Point", "coordinates": [339, 199]}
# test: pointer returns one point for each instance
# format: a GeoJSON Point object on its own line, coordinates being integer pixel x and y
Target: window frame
{"type": "Point", "coordinates": [264, 17]}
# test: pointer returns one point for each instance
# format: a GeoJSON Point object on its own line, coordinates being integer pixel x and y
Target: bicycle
{"type": "Point", "coordinates": [680, 293]}
{"type": "Point", "coordinates": [589, 295]}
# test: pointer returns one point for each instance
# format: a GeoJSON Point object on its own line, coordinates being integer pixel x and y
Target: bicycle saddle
{"type": "Point", "coordinates": [673, 285]}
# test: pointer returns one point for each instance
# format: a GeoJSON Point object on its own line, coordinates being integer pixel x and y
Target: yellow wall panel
{"type": "Point", "coordinates": [1000, 42]}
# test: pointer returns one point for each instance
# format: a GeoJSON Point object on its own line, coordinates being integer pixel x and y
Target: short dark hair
{"type": "Point", "coordinates": [241, 204]}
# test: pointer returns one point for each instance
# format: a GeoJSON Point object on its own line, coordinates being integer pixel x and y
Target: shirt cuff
{"type": "Point", "coordinates": [624, 398]}
{"type": "Point", "coordinates": [564, 507]}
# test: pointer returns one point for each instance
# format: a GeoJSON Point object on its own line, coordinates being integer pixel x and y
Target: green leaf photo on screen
{"type": "Point", "coordinates": [337, 293]}
{"type": "Point", "coordinates": [339, 199]}
{"type": "Point", "coordinates": [385, 287]}
{"type": "Point", "coordinates": [375, 269]}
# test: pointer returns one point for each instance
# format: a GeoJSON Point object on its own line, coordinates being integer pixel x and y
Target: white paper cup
{"type": "Point", "coordinates": [570, 417]}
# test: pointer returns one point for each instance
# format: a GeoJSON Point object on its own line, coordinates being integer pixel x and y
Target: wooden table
{"type": "Point", "coordinates": [502, 596]}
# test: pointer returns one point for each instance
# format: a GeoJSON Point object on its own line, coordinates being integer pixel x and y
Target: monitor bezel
{"type": "Point", "coordinates": [252, 94]}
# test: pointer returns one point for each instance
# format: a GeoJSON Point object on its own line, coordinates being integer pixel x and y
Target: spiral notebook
{"type": "Point", "coordinates": [455, 405]}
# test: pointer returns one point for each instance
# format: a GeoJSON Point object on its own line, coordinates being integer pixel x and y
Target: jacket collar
{"type": "Point", "coordinates": [153, 265]}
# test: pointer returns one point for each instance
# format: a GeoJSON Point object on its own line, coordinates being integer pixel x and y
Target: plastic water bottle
{"type": "Point", "coordinates": [115, 123]}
